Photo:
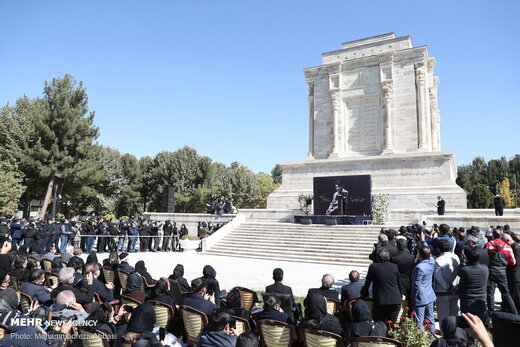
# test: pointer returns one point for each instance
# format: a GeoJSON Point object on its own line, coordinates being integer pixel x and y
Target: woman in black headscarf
{"type": "Point", "coordinates": [141, 269]}
{"type": "Point", "coordinates": [161, 292]}
{"type": "Point", "coordinates": [318, 318]}
{"type": "Point", "coordinates": [92, 258]}
{"type": "Point", "coordinates": [133, 288]}
{"type": "Point", "coordinates": [209, 274]}
{"type": "Point", "coordinates": [452, 336]}
{"type": "Point", "coordinates": [139, 332]}
{"type": "Point", "coordinates": [101, 314]}
{"type": "Point", "coordinates": [56, 266]}
{"type": "Point", "coordinates": [362, 323]}
{"type": "Point", "coordinates": [177, 275]}
{"type": "Point", "coordinates": [8, 306]}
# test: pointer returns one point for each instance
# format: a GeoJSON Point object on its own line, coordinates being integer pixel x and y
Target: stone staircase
{"type": "Point", "coordinates": [339, 245]}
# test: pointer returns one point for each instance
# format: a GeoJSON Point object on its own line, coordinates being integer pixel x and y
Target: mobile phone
{"type": "Point", "coordinates": [162, 334]}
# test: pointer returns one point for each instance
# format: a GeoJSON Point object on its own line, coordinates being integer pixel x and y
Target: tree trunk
{"type": "Point", "coordinates": [47, 199]}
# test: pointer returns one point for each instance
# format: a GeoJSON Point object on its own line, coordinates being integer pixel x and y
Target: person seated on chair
{"type": "Point", "coordinates": [105, 291]}
{"type": "Point", "coordinates": [50, 253]}
{"type": "Point", "coordinates": [219, 332]}
{"type": "Point", "coordinates": [209, 274]}
{"type": "Point", "coordinates": [177, 275]}
{"type": "Point", "coordinates": [133, 288]}
{"type": "Point", "coordinates": [278, 287]}
{"type": "Point", "coordinates": [67, 307]}
{"type": "Point", "coordinates": [199, 298]}
{"type": "Point", "coordinates": [161, 292]}
{"type": "Point", "coordinates": [66, 277]}
{"type": "Point", "coordinates": [124, 263]}
{"type": "Point", "coordinates": [35, 289]}
{"type": "Point", "coordinates": [452, 335]}
{"type": "Point", "coordinates": [248, 340]}
{"type": "Point", "coordinates": [77, 264]}
{"type": "Point", "coordinates": [56, 266]}
{"type": "Point", "coordinates": [352, 290]}
{"type": "Point", "coordinates": [327, 281]}
{"type": "Point", "coordinates": [318, 318]}
{"type": "Point", "coordinates": [273, 311]}
{"type": "Point", "coordinates": [139, 332]}
{"type": "Point", "coordinates": [141, 269]}
{"type": "Point", "coordinates": [69, 253]}
{"type": "Point", "coordinates": [102, 315]}
{"type": "Point", "coordinates": [362, 323]}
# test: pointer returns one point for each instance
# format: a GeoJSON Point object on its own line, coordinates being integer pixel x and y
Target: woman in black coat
{"type": "Point", "coordinates": [177, 276]}
{"type": "Point", "coordinates": [209, 274]}
{"type": "Point", "coordinates": [161, 292]}
{"type": "Point", "coordinates": [362, 323]}
{"type": "Point", "coordinates": [139, 332]}
{"type": "Point", "coordinates": [318, 318]}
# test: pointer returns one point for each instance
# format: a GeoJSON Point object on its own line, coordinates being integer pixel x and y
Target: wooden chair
{"type": "Point", "coordinates": [332, 306]}
{"type": "Point", "coordinates": [242, 325]}
{"type": "Point", "coordinates": [47, 265]}
{"type": "Point", "coordinates": [145, 285]}
{"type": "Point", "coordinates": [55, 280]}
{"type": "Point", "coordinates": [194, 323]}
{"type": "Point", "coordinates": [128, 300]}
{"type": "Point", "coordinates": [376, 341]}
{"type": "Point", "coordinates": [95, 338]}
{"type": "Point", "coordinates": [319, 338]}
{"type": "Point", "coordinates": [248, 298]}
{"type": "Point", "coordinates": [123, 278]}
{"type": "Point", "coordinates": [163, 313]}
{"type": "Point", "coordinates": [25, 302]}
{"type": "Point", "coordinates": [109, 274]}
{"type": "Point", "coordinates": [276, 334]}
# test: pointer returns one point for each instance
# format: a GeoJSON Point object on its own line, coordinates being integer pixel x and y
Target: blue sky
{"type": "Point", "coordinates": [225, 77]}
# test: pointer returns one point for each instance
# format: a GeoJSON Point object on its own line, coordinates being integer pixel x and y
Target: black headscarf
{"type": "Point", "coordinates": [92, 258]}
{"type": "Point", "coordinates": [8, 300]}
{"type": "Point", "coordinates": [57, 263]}
{"type": "Point", "coordinates": [360, 311]}
{"type": "Point", "coordinates": [317, 307]}
{"type": "Point", "coordinates": [161, 289]}
{"type": "Point", "coordinates": [453, 335]}
{"type": "Point", "coordinates": [140, 267]}
{"type": "Point", "coordinates": [178, 271]}
{"type": "Point", "coordinates": [209, 272]}
{"type": "Point", "coordinates": [3, 275]}
{"type": "Point", "coordinates": [142, 320]}
{"type": "Point", "coordinates": [134, 282]}
{"type": "Point", "coordinates": [5, 262]}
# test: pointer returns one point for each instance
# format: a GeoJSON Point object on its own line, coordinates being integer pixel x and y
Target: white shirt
{"type": "Point", "coordinates": [445, 272]}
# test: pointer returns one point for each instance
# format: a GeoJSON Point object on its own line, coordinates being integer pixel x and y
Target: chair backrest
{"type": "Point", "coordinates": [128, 300]}
{"type": "Point", "coordinates": [163, 313]}
{"type": "Point", "coordinates": [25, 302]}
{"type": "Point", "coordinates": [242, 325]}
{"type": "Point", "coordinates": [376, 341]}
{"type": "Point", "coordinates": [109, 274]}
{"type": "Point", "coordinates": [55, 280]}
{"type": "Point", "coordinates": [123, 278]}
{"type": "Point", "coordinates": [276, 334]}
{"type": "Point", "coordinates": [47, 265]}
{"type": "Point", "coordinates": [93, 338]}
{"type": "Point", "coordinates": [332, 306]}
{"type": "Point", "coordinates": [320, 338]}
{"type": "Point", "coordinates": [248, 298]}
{"type": "Point", "coordinates": [194, 323]}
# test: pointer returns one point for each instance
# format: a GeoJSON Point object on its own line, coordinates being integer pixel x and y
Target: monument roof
{"type": "Point", "coordinates": [367, 40]}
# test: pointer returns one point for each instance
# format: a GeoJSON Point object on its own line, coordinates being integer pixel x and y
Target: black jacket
{"type": "Point", "coordinates": [81, 296]}
{"type": "Point", "coordinates": [386, 281]}
{"type": "Point", "coordinates": [280, 288]}
{"type": "Point", "coordinates": [197, 302]}
{"type": "Point", "coordinates": [327, 293]}
{"type": "Point", "coordinates": [272, 314]}
{"type": "Point", "coordinates": [405, 262]}
{"type": "Point", "coordinates": [351, 291]}
{"type": "Point", "coordinates": [473, 288]}
{"type": "Point", "coordinates": [513, 272]}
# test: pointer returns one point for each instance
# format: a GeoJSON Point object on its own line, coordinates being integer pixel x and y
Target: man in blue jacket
{"type": "Point", "coordinates": [423, 296]}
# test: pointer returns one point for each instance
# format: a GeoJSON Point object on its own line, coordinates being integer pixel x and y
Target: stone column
{"type": "Point", "coordinates": [335, 97]}
{"type": "Point", "coordinates": [311, 119]}
{"type": "Point", "coordinates": [389, 126]}
{"type": "Point", "coordinates": [420, 80]}
{"type": "Point", "coordinates": [435, 122]}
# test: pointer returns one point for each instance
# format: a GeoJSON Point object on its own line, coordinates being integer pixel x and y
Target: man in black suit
{"type": "Point", "coordinates": [124, 263]}
{"type": "Point", "coordinates": [326, 290]}
{"type": "Point", "coordinates": [352, 290]}
{"type": "Point", "coordinates": [35, 289]}
{"type": "Point", "coordinates": [386, 290]}
{"type": "Point", "coordinates": [272, 311]}
{"type": "Point", "coordinates": [499, 205]}
{"type": "Point", "coordinates": [66, 283]}
{"type": "Point", "coordinates": [473, 284]}
{"type": "Point", "coordinates": [199, 298]}
{"type": "Point", "coordinates": [278, 287]}
{"type": "Point", "coordinates": [405, 262]}
{"type": "Point", "coordinates": [441, 206]}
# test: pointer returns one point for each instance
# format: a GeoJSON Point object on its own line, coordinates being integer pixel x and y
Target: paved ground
{"type": "Point", "coordinates": [245, 272]}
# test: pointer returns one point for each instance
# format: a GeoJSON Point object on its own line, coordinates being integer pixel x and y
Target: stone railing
{"type": "Point", "coordinates": [190, 219]}
{"type": "Point", "coordinates": [222, 232]}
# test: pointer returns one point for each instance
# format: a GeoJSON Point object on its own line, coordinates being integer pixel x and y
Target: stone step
{"type": "Point", "coordinates": [325, 243]}
{"type": "Point", "coordinates": [309, 227]}
{"type": "Point", "coordinates": [303, 251]}
{"type": "Point", "coordinates": [346, 238]}
{"type": "Point", "coordinates": [292, 257]}
{"type": "Point", "coordinates": [306, 232]}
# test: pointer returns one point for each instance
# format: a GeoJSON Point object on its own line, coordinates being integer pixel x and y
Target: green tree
{"type": "Point", "coordinates": [276, 174]}
{"type": "Point", "coordinates": [241, 185]}
{"type": "Point", "coordinates": [267, 186]}
{"type": "Point", "coordinates": [480, 197]}
{"type": "Point", "coordinates": [11, 189]}
{"type": "Point", "coordinates": [63, 136]}
{"type": "Point", "coordinates": [505, 191]}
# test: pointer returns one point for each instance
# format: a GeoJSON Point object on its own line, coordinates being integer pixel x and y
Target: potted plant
{"type": "Point", "coordinates": [305, 203]}
{"type": "Point", "coordinates": [408, 333]}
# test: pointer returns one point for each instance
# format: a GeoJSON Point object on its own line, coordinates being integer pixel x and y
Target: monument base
{"type": "Point", "coordinates": [412, 180]}
{"type": "Point", "coordinates": [333, 220]}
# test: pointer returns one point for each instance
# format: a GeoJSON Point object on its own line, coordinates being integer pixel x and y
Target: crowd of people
{"type": "Point", "coordinates": [220, 205]}
{"type": "Point", "coordinates": [100, 234]}
{"type": "Point", "coordinates": [453, 272]}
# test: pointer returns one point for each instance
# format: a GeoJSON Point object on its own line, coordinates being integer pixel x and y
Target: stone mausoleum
{"type": "Point", "coordinates": [373, 110]}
